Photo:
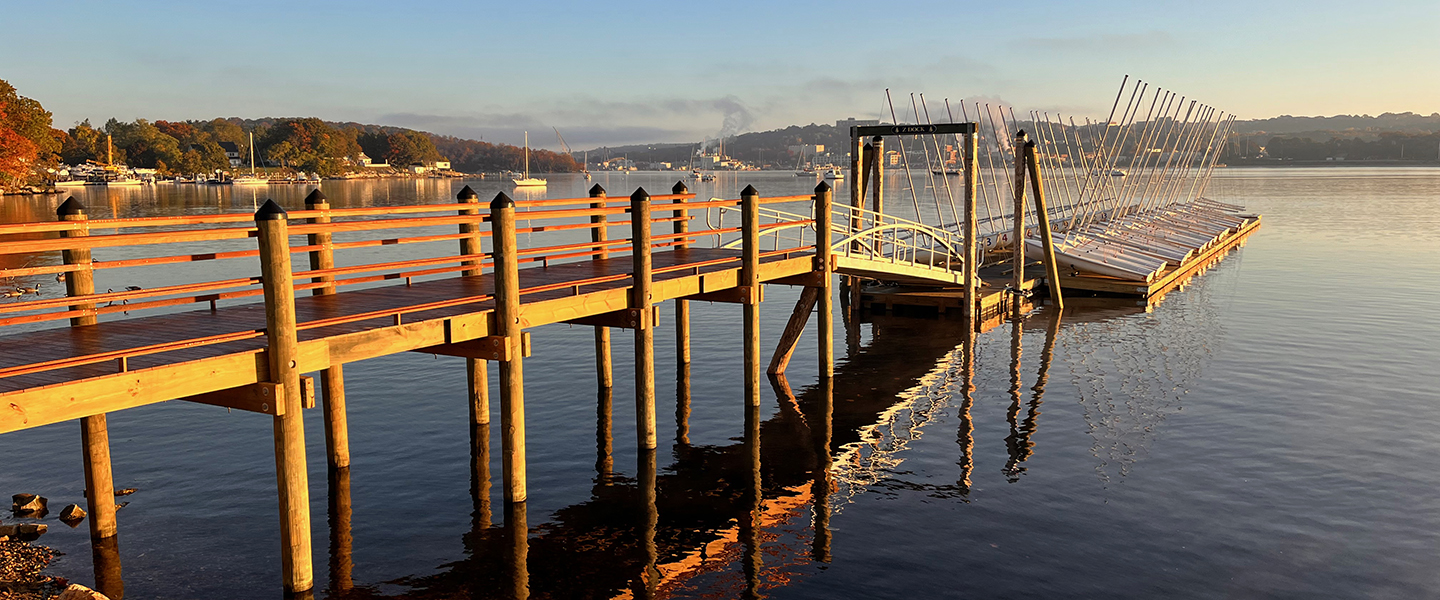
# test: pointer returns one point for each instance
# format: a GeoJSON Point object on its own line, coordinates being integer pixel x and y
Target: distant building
{"type": "Point", "coordinates": [232, 152]}
{"type": "Point", "coordinates": [848, 122]}
{"type": "Point", "coordinates": [441, 165]}
{"type": "Point", "coordinates": [806, 149]}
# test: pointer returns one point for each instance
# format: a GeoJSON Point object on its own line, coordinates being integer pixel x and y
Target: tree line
{"type": "Point", "coordinates": [29, 143]}
{"type": "Point", "coordinates": [1392, 146]}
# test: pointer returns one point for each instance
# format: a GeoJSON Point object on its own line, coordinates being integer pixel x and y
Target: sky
{"type": "Point", "coordinates": [614, 73]}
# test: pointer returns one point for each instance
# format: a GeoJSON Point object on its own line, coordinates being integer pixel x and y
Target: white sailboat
{"type": "Point", "coordinates": [250, 179]}
{"type": "Point", "coordinates": [528, 181]}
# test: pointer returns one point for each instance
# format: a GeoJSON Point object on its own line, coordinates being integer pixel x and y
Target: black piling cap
{"type": "Point", "coordinates": [71, 206]}
{"type": "Point", "coordinates": [749, 191]}
{"type": "Point", "coordinates": [270, 211]}
{"type": "Point", "coordinates": [466, 194]}
{"type": "Point", "coordinates": [596, 190]}
{"type": "Point", "coordinates": [501, 201]}
{"type": "Point", "coordinates": [679, 188]}
{"type": "Point", "coordinates": [1020, 134]}
{"type": "Point", "coordinates": [640, 195]}
{"type": "Point", "coordinates": [314, 198]}
{"type": "Point", "coordinates": [1030, 145]}
{"type": "Point", "coordinates": [877, 139]}
{"type": "Point", "coordinates": [822, 188]}
{"type": "Point", "coordinates": [868, 146]}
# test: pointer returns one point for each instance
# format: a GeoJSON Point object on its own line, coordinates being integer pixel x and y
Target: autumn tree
{"type": "Point", "coordinates": [28, 119]}
{"type": "Point", "coordinates": [17, 153]}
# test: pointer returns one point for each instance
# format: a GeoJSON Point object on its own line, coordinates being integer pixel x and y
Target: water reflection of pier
{"type": "Point", "coordinates": [732, 519]}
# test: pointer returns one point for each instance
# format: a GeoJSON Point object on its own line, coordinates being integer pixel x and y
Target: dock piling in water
{"type": "Point", "coordinates": [283, 349]}
{"type": "Point", "coordinates": [640, 304]}
{"type": "Point", "coordinates": [507, 332]}
{"type": "Point", "coordinates": [332, 380]}
{"type": "Point", "coordinates": [603, 370]}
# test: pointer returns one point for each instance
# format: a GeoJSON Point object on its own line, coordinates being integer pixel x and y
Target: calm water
{"type": "Point", "coordinates": [1271, 430]}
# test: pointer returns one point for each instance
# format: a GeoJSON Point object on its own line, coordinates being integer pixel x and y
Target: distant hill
{"type": "Point", "coordinates": [1342, 125]}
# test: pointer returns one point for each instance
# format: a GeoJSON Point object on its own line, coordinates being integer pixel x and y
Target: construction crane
{"type": "Point", "coordinates": [563, 146]}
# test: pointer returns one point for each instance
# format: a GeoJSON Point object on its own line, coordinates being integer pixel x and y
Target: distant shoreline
{"type": "Point", "coordinates": [1332, 163]}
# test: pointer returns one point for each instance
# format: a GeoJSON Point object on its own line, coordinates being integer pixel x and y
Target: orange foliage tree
{"type": "Point", "coordinates": [17, 153]}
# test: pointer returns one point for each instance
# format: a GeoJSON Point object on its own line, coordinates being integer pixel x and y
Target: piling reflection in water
{"type": "Point", "coordinates": [342, 562]}
{"type": "Point", "coordinates": [106, 554]}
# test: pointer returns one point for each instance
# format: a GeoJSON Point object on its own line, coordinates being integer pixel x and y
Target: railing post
{"type": "Point", "coordinates": [682, 307]}
{"type": "Point", "coordinates": [750, 279]}
{"type": "Point", "coordinates": [507, 326]}
{"type": "Point", "coordinates": [280, 332]}
{"type": "Point", "coordinates": [94, 430]}
{"type": "Point", "coordinates": [1042, 220]}
{"type": "Point", "coordinates": [1018, 238]}
{"type": "Point", "coordinates": [332, 380]}
{"type": "Point", "coordinates": [824, 198]}
{"type": "Point", "coordinates": [971, 266]}
{"type": "Point", "coordinates": [603, 370]}
{"type": "Point", "coordinates": [640, 300]}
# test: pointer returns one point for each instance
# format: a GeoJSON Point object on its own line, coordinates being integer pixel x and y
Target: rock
{"type": "Point", "coordinates": [24, 503]}
{"type": "Point", "coordinates": [125, 492]}
{"type": "Point", "coordinates": [9, 531]}
{"type": "Point", "coordinates": [31, 531]}
{"type": "Point", "coordinates": [80, 592]}
{"type": "Point", "coordinates": [72, 515]}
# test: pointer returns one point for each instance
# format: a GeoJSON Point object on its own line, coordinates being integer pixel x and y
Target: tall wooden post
{"type": "Point", "coordinates": [603, 371]}
{"type": "Point", "coordinates": [750, 281]}
{"type": "Point", "coordinates": [280, 332]}
{"type": "Point", "coordinates": [507, 325]}
{"type": "Point", "coordinates": [332, 380]}
{"type": "Point", "coordinates": [825, 326]}
{"type": "Point", "coordinates": [867, 168]}
{"type": "Point", "coordinates": [604, 443]}
{"type": "Point", "coordinates": [1042, 219]}
{"type": "Point", "coordinates": [477, 371]}
{"type": "Point", "coordinates": [640, 299]}
{"type": "Point", "coordinates": [105, 555]}
{"type": "Point", "coordinates": [1018, 237]}
{"type": "Point", "coordinates": [682, 307]}
{"type": "Point", "coordinates": [878, 196]}
{"type": "Point", "coordinates": [94, 430]}
{"type": "Point", "coordinates": [972, 254]}
{"type": "Point", "coordinates": [857, 200]}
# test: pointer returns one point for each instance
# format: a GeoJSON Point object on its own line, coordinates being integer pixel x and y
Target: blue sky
{"type": "Point", "coordinates": [629, 72]}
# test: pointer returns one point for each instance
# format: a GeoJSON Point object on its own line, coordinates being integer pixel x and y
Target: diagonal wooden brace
{"type": "Point", "coordinates": [258, 397]}
{"type": "Point", "coordinates": [743, 294]}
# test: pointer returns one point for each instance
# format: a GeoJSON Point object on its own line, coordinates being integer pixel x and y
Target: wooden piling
{"type": "Point", "coordinates": [332, 380]}
{"type": "Point", "coordinates": [750, 280]}
{"type": "Point", "coordinates": [867, 168]}
{"type": "Point", "coordinates": [604, 374]}
{"type": "Point", "coordinates": [105, 555]}
{"type": "Point", "coordinates": [790, 336]}
{"type": "Point", "coordinates": [1018, 237]}
{"type": "Point", "coordinates": [283, 351]}
{"type": "Point", "coordinates": [507, 326]}
{"type": "Point", "coordinates": [878, 158]}
{"type": "Point", "coordinates": [971, 234]}
{"type": "Point", "coordinates": [1037, 189]}
{"type": "Point", "coordinates": [477, 371]}
{"type": "Point", "coordinates": [825, 327]}
{"type": "Point", "coordinates": [94, 430]}
{"type": "Point", "coordinates": [682, 307]}
{"type": "Point", "coordinates": [640, 299]}
{"type": "Point", "coordinates": [682, 405]}
{"type": "Point", "coordinates": [857, 200]}
{"type": "Point", "coordinates": [604, 442]}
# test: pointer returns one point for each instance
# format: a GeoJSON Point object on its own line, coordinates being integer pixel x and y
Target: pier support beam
{"type": "Point", "coordinates": [604, 373]}
{"type": "Point", "coordinates": [750, 278]}
{"type": "Point", "coordinates": [477, 372]}
{"type": "Point", "coordinates": [877, 144]}
{"type": "Point", "coordinates": [1042, 220]}
{"type": "Point", "coordinates": [1018, 237]}
{"type": "Point", "coordinates": [825, 327]}
{"type": "Point", "coordinates": [507, 324]}
{"type": "Point", "coordinates": [283, 350]}
{"type": "Point", "coordinates": [332, 380]}
{"type": "Point", "coordinates": [640, 298]}
{"type": "Point", "coordinates": [94, 430]}
{"type": "Point", "coordinates": [682, 307]}
{"type": "Point", "coordinates": [972, 256]}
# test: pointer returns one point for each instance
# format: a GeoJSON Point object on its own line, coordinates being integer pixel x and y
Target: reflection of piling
{"type": "Point", "coordinates": [750, 521]}
{"type": "Point", "coordinates": [332, 380]}
{"type": "Point", "coordinates": [105, 552]}
{"type": "Point", "coordinates": [342, 563]}
{"type": "Point", "coordinates": [94, 430]}
{"type": "Point", "coordinates": [507, 320]}
{"type": "Point", "coordinates": [647, 585]}
{"type": "Point", "coordinates": [682, 404]}
{"type": "Point", "coordinates": [604, 444]}
{"type": "Point", "coordinates": [517, 551]}
{"type": "Point", "coordinates": [599, 234]}
{"type": "Point", "coordinates": [640, 301]}
{"type": "Point", "coordinates": [967, 400]}
{"type": "Point", "coordinates": [821, 426]}
{"type": "Point", "coordinates": [283, 350]}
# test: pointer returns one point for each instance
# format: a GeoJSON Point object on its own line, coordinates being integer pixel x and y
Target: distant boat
{"type": "Point", "coordinates": [527, 180]}
{"type": "Point", "coordinates": [70, 183]}
{"type": "Point", "coordinates": [947, 171]}
{"type": "Point", "coordinates": [833, 173]}
{"type": "Point", "coordinates": [250, 179]}
{"type": "Point", "coordinates": [707, 177]}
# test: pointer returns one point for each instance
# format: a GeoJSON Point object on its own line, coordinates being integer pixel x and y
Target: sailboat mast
{"type": "Point", "coordinates": [252, 153]}
{"type": "Point", "coordinates": [527, 155]}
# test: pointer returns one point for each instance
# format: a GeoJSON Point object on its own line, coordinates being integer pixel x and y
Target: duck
{"type": "Point", "coordinates": [59, 278]}
{"type": "Point", "coordinates": [29, 290]}
{"type": "Point", "coordinates": [11, 294]}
